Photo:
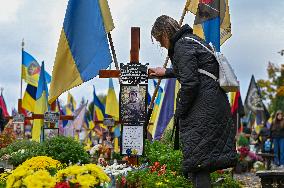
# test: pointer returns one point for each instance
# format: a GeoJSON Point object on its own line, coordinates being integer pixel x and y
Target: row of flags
{"type": "Point", "coordinates": [83, 50]}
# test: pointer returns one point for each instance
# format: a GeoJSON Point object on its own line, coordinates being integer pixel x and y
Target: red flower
{"type": "Point", "coordinates": [156, 164]}
{"type": "Point", "coordinates": [62, 185]}
{"type": "Point", "coordinates": [123, 181]}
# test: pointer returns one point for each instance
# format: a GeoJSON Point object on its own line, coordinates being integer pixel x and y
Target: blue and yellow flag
{"type": "Point", "coordinates": [71, 104]}
{"type": "Point", "coordinates": [112, 109]}
{"type": "Point", "coordinates": [31, 69]}
{"type": "Point", "coordinates": [29, 98]}
{"type": "Point", "coordinates": [156, 110]}
{"type": "Point", "coordinates": [41, 104]}
{"type": "Point", "coordinates": [99, 109]}
{"type": "Point", "coordinates": [167, 107]}
{"type": "Point", "coordinates": [83, 47]}
{"type": "Point", "coordinates": [112, 106]}
{"type": "Point", "coordinates": [212, 21]}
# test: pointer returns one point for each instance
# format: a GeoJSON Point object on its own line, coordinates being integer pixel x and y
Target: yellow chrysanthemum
{"type": "Point", "coordinates": [30, 168]}
{"type": "Point", "coordinates": [40, 178]}
{"type": "Point", "coordinates": [87, 180]}
{"type": "Point", "coordinates": [74, 172]}
{"type": "Point", "coordinates": [3, 177]}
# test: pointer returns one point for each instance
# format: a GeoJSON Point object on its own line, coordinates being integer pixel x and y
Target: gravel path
{"type": "Point", "coordinates": [249, 180]}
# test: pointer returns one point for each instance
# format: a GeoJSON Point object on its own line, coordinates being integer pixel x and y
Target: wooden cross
{"type": "Point", "coordinates": [40, 116]}
{"type": "Point", "coordinates": [134, 58]}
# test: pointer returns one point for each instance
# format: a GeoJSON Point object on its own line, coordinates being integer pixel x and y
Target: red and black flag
{"type": "Point", "coordinates": [237, 110]}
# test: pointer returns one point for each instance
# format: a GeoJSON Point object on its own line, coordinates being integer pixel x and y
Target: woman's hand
{"type": "Point", "coordinates": [158, 71]}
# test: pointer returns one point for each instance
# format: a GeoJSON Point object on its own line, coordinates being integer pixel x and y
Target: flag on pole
{"type": "Point", "coordinates": [76, 124]}
{"type": "Point", "coordinates": [83, 47]}
{"type": "Point", "coordinates": [167, 108]}
{"type": "Point", "coordinates": [99, 109]}
{"type": "Point", "coordinates": [156, 110]}
{"type": "Point", "coordinates": [254, 103]}
{"type": "Point", "coordinates": [29, 98]}
{"type": "Point", "coordinates": [237, 110]}
{"type": "Point", "coordinates": [3, 105]}
{"type": "Point", "coordinates": [41, 104]}
{"type": "Point", "coordinates": [112, 106]}
{"type": "Point", "coordinates": [112, 109]}
{"type": "Point", "coordinates": [212, 21]}
{"type": "Point", "coordinates": [31, 69]}
{"type": "Point", "coordinates": [71, 104]}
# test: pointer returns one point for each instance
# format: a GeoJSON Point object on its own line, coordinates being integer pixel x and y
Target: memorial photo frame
{"type": "Point", "coordinates": [133, 103]}
{"type": "Point", "coordinates": [19, 130]}
{"type": "Point", "coordinates": [50, 133]}
{"type": "Point", "coordinates": [28, 131]}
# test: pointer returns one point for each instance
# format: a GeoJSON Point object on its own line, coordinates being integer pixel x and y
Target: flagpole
{"type": "Point", "coordinates": [150, 107]}
{"type": "Point", "coordinates": [23, 44]}
{"type": "Point", "coordinates": [238, 116]}
{"type": "Point", "coordinates": [113, 51]}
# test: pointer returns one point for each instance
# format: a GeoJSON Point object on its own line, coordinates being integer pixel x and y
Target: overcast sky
{"type": "Point", "coordinates": [257, 27]}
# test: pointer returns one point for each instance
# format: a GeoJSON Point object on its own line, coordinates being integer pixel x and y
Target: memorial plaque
{"type": "Point", "coordinates": [132, 139]}
{"type": "Point", "coordinates": [19, 118]}
{"type": "Point", "coordinates": [51, 117]}
{"type": "Point", "coordinates": [133, 107]}
{"type": "Point", "coordinates": [134, 74]}
{"type": "Point", "coordinates": [109, 122]}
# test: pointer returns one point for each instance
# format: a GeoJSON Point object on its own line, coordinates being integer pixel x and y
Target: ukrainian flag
{"type": "Point", "coordinates": [156, 110]}
{"type": "Point", "coordinates": [99, 109]}
{"type": "Point", "coordinates": [112, 106]}
{"type": "Point", "coordinates": [83, 47]}
{"type": "Point", "coordinates": [212, 21]}
{"type": "Point", "coordinates": [168, 106]}
{"type": "Point", "coordinates": [112, 109]}
{"type": "Point", "coordinates": [41, 104]}
{"type": "Point", "coordinates": [29, 98]}
{"type": "Point", "coordinates": [71, 104]}
{"type": "Point", "coordinates": [31, 69]}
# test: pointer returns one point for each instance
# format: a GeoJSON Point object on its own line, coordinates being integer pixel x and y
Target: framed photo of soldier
{"type": "Point", "coordinates": [50, 133]}
{"type": "Point", "coordinates": [132, 103]}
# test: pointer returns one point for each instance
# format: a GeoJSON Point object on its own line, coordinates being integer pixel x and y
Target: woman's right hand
{"type": "Point", "coordinates": [158, 71]}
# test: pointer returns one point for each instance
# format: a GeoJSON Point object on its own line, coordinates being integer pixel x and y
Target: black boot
{"type": "Point", "coordinates": [201, 179]}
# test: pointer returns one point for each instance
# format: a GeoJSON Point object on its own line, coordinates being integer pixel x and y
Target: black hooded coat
{"type": "Point", "coordinates": [207, 131]}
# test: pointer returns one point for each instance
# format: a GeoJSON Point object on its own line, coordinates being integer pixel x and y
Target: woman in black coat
{"type": "Point", "coordinates": [206, 127]}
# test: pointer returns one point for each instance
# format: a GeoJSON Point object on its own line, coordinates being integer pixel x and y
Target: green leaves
{"type": "Point", "coordinates": [164, 154]}
{"type": "Point", "coordinates": [66, 149]}
{"type": "Point", "coordinates": [61, 148]}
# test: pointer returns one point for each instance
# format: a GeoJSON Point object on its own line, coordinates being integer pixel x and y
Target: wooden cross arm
{"type": "Point", "coordinates": [116, 74]}
{"type": "Point", "coordinates": [41, 116]}
{"type": "Point", "coordinates": [109, 73]}
{"type": "Point", "coordinates": [116, 122]}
